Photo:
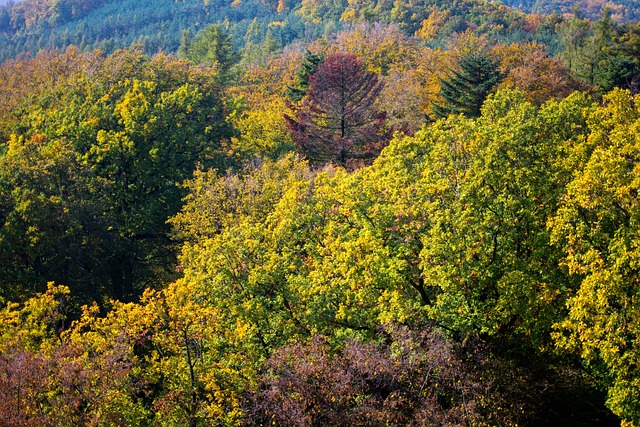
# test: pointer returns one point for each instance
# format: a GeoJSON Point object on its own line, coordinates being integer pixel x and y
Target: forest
{"type": "Point", "coordinates": [306, 213]}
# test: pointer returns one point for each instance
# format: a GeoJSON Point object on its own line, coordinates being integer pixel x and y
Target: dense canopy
{"type": "Point", "coordinates": [314, 213]}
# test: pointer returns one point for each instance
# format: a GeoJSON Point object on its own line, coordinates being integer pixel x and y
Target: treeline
{"type": "Point", "coordinates": [260, 28]}
{"type": "Point", "coordinates": [623, 10]}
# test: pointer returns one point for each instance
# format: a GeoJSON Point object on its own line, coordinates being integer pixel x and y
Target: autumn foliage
{"type": "Point", "coordinates": [337, 121]}
{"type": "Point", "coordinates": [415, 213]}
{"type": "Point", "coordinates": [422, 378]}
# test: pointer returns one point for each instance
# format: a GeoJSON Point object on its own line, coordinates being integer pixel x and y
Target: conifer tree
{"type": "Point", "coordinates": [185, 44]}
{"type": "Point", "coordinates": [308, 66]}
{"type": "Point", "coordinates": [213, 45]}
{"type": "Point", "coordinates": [466, 89]}
{"type": "Point", "coordinates": [337, 121]}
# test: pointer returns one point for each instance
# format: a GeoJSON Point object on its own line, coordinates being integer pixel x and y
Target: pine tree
{"type": "Point", "coordinates": [309, 65]}
{"type": "Point", "coordinates": [185, 44]}
{"type": "Point", "coordinates": [580, 52]}
{"type": "Point", "coordinates": [337, 121]}
{"type": "Point", "coordinates": [213, 45]}
{"type": "Point", "coordinates": [466, 89]}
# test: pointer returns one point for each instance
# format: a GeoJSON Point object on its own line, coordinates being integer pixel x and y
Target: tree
{"type": "Point", "coordinates": [587, 47]}
{"type": "Point", "coordinates": [529, 68]}
{"type": "Point", "coordinates": [597, 226]}
{"type": "Point", "coordinates": [264, 81]}
{"type": "Point", "coordinates": [574, 34]}
{"type": "Point", "coordinates": [50, 376]}
{"type": "Point", "coordinates": [308, 67]}
{"type": "Point", "coordinates": [185, 43]}
{"type": "Point", "coordinates": [382, 48]}
{"type": "Point", "coordinates": [337, 121]}
{"type": "Point", "coordinates": [465, 90]}
{"type": "Point", "coordinates": [623, 67]}
{"type": "Point", "coordinates": [85, 195]}
{"type": "Point", "coordinates": [212, 45]}
{"type": "Point", "coordinates": [414, 378]}
{"type": "Point", "coordinates": [622, 72]}
{"type": "Point", "coordinates": [262, 131]}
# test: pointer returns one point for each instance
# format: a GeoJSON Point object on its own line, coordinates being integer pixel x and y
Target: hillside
{"type": "Point", "coordinates": [31, 25]}
{"type": "Point", "coordinates": [158, 25]}
{"type": "Point", "coordinates": [622, 10]}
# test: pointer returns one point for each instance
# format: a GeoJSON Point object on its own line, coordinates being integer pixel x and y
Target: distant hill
{"type": "Point", "coordinates": [622, 10]}
{"type": "Point", "coordinates": [158, 25]}
{"type": "Point", "coordinates": [29, 26]}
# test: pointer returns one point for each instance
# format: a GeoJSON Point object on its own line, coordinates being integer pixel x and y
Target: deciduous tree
{"type": "Point", "coordinates": [597, 225]}
{"type": "Point", "coordinates": [90, 175]}
{"type": "Point", "coordinates": [530, 69]}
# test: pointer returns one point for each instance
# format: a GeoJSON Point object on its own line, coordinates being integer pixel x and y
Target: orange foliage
{"type": "Point", "coordinates": [528, 67]}
{"type": "Point", "coordinates": [532, 22]}
{"type": "Point", "coordinates": [262, 81]}
{"type": "Point", "coordinates": [409, 93]}
{"type": "Point", "coordinates": [380, 47]}
{"type": "Point", "coordinates": [25, 80]}
{"type": "Point", "coordinates": [431, 26]}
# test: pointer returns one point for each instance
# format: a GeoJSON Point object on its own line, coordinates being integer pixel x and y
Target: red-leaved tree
{"type": "Point", "coordinates": [337, 121]}
{"type": "Point", "coordinates": [419, 378]}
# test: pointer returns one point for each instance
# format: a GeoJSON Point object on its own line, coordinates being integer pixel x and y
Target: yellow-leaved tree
{"type": "Point", "coordinates": [597, 225]}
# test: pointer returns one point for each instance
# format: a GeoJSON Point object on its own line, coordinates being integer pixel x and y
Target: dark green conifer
{"type": "Point", "coordinates": [309, 66]}
{"type": "Point", "coordinates": [185, 44]}
{"type": "Point", "coordinates": [465, 90]}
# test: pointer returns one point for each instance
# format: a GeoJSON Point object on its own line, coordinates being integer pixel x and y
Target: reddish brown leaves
{"type": "Point", "coordinates": [337, 122]}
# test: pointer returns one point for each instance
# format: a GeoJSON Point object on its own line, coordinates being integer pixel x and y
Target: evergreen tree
{"type": "Point", "coordinates": [185, 44]}
{"type": "Point", "coordinates": [579, 46]}
{"type": "Point", "coordinates": [622, 72]}
{"type": "Point", "coordinates": [616, 65]}
{"type": "Point", "coordinates": [309, 66]}
{"type": "Point", "coordinates": [213, 45]}
{"type": "Point", "coordinates": [603, 69]}
{"type": "Point", "coordinates": [466, 89]}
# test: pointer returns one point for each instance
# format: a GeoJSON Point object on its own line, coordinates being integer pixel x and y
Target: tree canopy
{"type": "Point", "coordinates": [418, 212]}
{"type": "Point", "coordinates": [91, 173]}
